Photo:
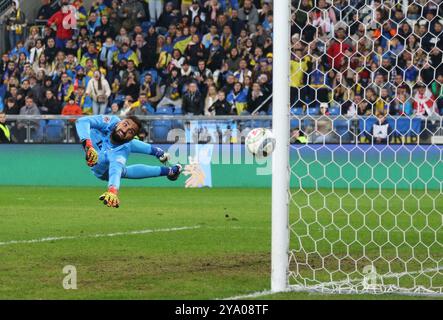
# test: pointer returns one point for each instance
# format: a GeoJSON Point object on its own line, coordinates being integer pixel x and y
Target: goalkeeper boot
{"type": "Point", "coordinates": [162, 156]}
{"type": "Point", "coordinates": [174, 172]}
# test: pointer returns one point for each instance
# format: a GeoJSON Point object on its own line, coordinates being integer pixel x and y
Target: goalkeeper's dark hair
{"type": "Point", "coordinates": [137, 121]}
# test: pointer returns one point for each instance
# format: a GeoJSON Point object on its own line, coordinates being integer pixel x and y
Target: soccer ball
{"type": "Point", "coordinates": [260, 142]}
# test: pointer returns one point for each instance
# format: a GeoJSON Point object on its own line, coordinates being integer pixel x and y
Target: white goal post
{"type": "Point", "coordinates": [357, 204]}
{"type": "Point", "coordinates": [280, 164]}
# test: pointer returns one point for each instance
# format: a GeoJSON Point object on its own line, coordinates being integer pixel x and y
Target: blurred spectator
{"type": "Point", "coordinates": [29, 109]}
{"type": "Point", "coordinates": [298, 137]}
{"type": "Point", "coordinates": [58, 21]}
{"type": "Point", "coordinates": [15, 25]}
{"type": "Point", "coordinates": [11, 107]}
{"type": "Point", "coordinates": [380, 130]}
{"type": "Point", "coordinates": [5, 133]}
{"type": "Point", "coordinates": [171, 88]}
{"type": "Point", "coordinates": [32, 38]}
{"type": "Point", "coordinates": [115, 109]}
{"type": "Point", "coordinates": [71, 108]}
{"type": "Point", "coordinates": [424, 102]}
{"type": "Point", "coordinates": [142, 106]}
{"type": "Point", "coordinates": [98, 89]}
{"type": "Point", "coordinates": [238, 97]}
{"type": "Point", "coordinates": [131, 13]}
{"type": "Point", "coordinates": [298, 69]}
{"type": "Point", "coordinates": [50, 105]}
{"type": "Point", "coordinates": [249, 14]}
{"type": "Point", "coordinates": [45, 12]}
{"type": "Point", "coordinates": [256, 100]}
{"type": "Point", "coordinates": [193, 101]}
{"type": "Point", "coordinates": [221, 107]}
{"type": "Point", "coordinates": [401, 106]}
{"type": "Point", "coordinates": [324, 109]}
{"type": "Point", "coordinates": [211, 98]}
{"type": "Point", "coordinates": [437, 91]}
{"type": "Point", "coordinates": [155, 9]}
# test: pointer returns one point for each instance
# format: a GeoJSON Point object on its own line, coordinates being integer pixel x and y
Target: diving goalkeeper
{"type": "Point", "coordinates": [108, 141]}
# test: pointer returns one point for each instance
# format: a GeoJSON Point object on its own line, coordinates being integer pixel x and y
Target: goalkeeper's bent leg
{"type": "Point", "coordinates": [141, 171]}
{"type": "Point", "coordinates": [146, 148]}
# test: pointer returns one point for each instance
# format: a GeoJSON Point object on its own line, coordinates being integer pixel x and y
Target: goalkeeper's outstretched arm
{"type": "Point", "coordinates": [85, 124]}
{"type": "Point", "coordinates": [117, 162]}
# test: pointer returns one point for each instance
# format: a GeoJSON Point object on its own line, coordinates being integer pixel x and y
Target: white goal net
{"type": "Point", "coordinates": [366, 156]}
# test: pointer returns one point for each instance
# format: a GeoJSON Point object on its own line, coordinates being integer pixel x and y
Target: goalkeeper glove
{"type": "Point", "coordinates": [110, 198]}
{"type": "Point", "coordinates": [91, 154]}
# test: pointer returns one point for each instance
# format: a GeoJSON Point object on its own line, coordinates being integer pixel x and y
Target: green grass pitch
{"type": "Point", "coordinates": [225, 253]}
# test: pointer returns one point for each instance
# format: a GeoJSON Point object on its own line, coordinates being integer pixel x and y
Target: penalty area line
{"type": "Point", "coordinates": [98, 235]}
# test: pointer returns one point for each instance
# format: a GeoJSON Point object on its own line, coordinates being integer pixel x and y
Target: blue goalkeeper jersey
{"type": "Point", "coordinates": [111, 157]}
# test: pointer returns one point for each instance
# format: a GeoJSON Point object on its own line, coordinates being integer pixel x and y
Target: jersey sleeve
{"type": "Point", "coordinates": [85, 124]}
{"type": "Point", "coordinates": [117, 162]}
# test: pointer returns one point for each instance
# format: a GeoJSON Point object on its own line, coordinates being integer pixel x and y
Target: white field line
{"type": "Point", "coordinates": [115, 234]}
{"type": "Point", "coordinates": [251, 295]}
{"type": "Point", "coordinates": [318, 288]}
{"type": "Point", "coordinates": [98, 235]}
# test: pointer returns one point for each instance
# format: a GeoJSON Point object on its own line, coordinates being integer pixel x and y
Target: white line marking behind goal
{"type": "Point", "coordinates": [99, 235]}
{"type": "Point", "coordinates": [317, 288]}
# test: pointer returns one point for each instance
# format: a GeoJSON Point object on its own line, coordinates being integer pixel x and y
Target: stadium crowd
{"type": "Point", "coordinates": [368, 57]}
{"type": "Point", "coordinates": [214, 57]}
{"type": "Point", "coordinates": [136, 57]}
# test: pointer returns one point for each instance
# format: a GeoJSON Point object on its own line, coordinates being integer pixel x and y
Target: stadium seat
{"type": "Point", "coordinates": [160, 130]}
{"type": "Point", "coordinates": [37, 133]}
{"type": "Point", "coordinates": [2, 91]}
{"type": "Point", "coordinates": [177, 124]}
{"type": "Point", "coordinates": [365, 125]}
{"type": "Point", "coordinates": [178, 111]}
{"type": "Point", "coordinates": [255, 123]}
{"type": "Point", "coordinates": [119, 99]}
{"type": "Point", "coordinates": [55, 130]}
{"type": "Point", "coordinates": [295, 123]}
{"type": "Point", "coordinates": [334, 111]}
{"type": "Point", "coordinates": [167, 110]}
{"type": "Point", "coordinates": [341, 127]}
{"type": "Point", "coordinates": [297, 111]}
{"type": "Point", "coordinates": [267, 124]}
{"type": "Point", "coordinates": [313, 111]}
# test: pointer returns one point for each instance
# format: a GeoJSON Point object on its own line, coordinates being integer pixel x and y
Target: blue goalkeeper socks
{"type": "Point", "coordinates": [165, 171]}
{"type": "Point", "coordinates": [141, 171]}
{"type": "Point", "coordinates": [157, 152]}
